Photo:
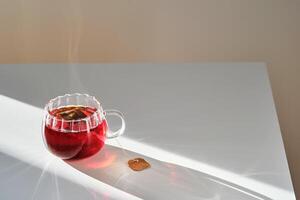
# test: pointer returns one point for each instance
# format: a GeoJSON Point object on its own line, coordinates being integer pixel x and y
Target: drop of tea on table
{"type": "Point", "coordinates": [138, 164]}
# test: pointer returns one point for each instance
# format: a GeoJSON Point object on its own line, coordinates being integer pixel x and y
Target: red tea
{"type": "Point", "coordinates": [74, 133]}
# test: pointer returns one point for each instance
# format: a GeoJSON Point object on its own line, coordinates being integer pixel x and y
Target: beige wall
{"type": "Point", "coordinates": [34, 31]}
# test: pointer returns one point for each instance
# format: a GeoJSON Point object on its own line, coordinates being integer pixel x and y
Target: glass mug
{"type": "Point", "coordinates": [75, 126]}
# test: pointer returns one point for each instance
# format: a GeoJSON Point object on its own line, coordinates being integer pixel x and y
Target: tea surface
{"type": "Point", "coordinates": [73, 112]}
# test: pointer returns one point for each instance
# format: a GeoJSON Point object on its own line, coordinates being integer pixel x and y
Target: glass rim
{"type": "Point", "coordinates": [99, 109]}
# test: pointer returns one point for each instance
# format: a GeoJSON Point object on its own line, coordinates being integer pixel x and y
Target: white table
{"type": "Point", "coordinates": [210, 131]}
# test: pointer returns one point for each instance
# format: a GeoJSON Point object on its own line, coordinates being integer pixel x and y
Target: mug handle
{"type": "Point", "coordinates": [113, 134]}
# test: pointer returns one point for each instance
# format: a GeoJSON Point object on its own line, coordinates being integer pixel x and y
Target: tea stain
{"type": "Point", "coordinates": [138, 164]}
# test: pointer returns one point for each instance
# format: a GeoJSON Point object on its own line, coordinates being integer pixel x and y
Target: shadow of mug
{"type": "Point", "coordinates": [161, 181]}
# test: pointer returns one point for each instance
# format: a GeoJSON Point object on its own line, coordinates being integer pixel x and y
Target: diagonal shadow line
{"type": "Point", "coordinates": [163, 180]}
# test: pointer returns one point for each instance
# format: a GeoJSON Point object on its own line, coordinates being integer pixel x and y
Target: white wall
{"type": "Point", "coordinates": [34, 31]}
